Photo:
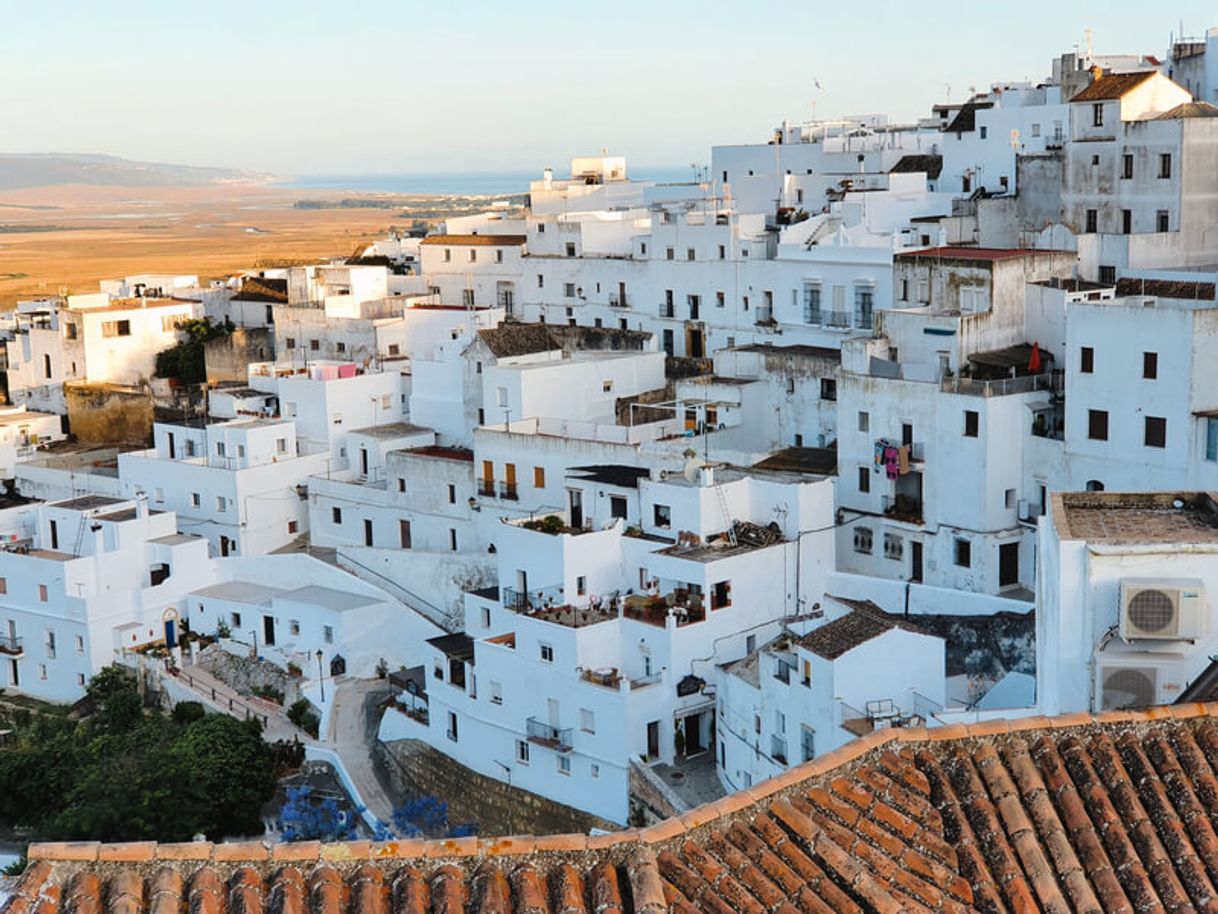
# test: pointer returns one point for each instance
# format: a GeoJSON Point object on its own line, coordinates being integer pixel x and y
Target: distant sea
{"type": "Point", "coordinates": [474, 182]}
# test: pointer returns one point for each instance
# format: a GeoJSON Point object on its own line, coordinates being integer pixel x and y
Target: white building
{"type": "Point", "coordinates": [99, 575]}
{"type": "Point", "coordinates": [595, 649]}
{"type": "Point", "coordinates": [853, 671]}
{"type": "Point", "coordinates": [92, 338]}
{"type": "Point", "coordinates": [1125, 612]}
{"type": "Point", "coordinates": [22, 431]}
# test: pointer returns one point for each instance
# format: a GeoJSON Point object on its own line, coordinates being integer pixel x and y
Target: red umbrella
{"type": "Point", "coordinates": [1034, 359]}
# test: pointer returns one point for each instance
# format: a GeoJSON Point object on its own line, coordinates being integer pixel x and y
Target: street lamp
{"type": "Point", "coordinates": [321, 677]}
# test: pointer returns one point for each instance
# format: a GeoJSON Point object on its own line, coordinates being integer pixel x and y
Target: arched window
{"type": "Point", "coordinates": [1094, 485]}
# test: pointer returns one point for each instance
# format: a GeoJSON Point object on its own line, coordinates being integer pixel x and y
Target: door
{"type": "Point", "coordinates": [576, 497]}
{"type": "Point", "coordinates": [363, 461]}
{"type": "Point", "coordinates": [617, 506]}
{"type": "Point", "coordinates": [367, 532]}
{"type": "Point", "coordinates": [54, 535]}
{"type": "Point", "coordinates": [693, 735]}
{"type": "Point", "coordinates": [653, 740]}
{"type": "Point", "coordinates": [173, 452]}
{"type": "Point", "coordinates": [268, 630]}
{"type": "Point", "coordinates": [668, 349]}
{"type": "Point", "coordinates": [404, 533]}
{"type": "Point", "coordinates": [14, 679]}
{"type": "Point", "coordinates": [223, 546]}
{"type": "Point", "coordinates": [552, 708]}
{"type": "Point", "coordinates": [915, 569]}
{"type": "Point", "coordinates": [171, 632]}
{"type": "Point", "coordinates": [1008, 564]}
{"type": "Point", "coordinates": [509, 480]}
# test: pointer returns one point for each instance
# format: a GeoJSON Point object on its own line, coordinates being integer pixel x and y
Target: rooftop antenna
{"type": "Point", "coordinates": [1087, 42]}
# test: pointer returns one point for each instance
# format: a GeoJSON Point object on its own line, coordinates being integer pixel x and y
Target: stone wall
{"type": "Point", "coordinates": [416, 769]}
{"type": "Point", "coordinates": [108, 414]}
{"type": "Point", "coordinates": [245, 674]}
{"type": "Point", "coordinates": [227, 357]}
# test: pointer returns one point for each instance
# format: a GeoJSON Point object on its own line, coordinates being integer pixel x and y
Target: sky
{"type": "Point", "coordinates": [308, 87]}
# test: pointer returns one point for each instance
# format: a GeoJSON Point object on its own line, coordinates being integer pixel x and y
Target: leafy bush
{"type": "Point", "coordinates": [301, 713]}
{"type": "Point", "coordinates": [125, 775]}
{"type": "Point", "coordinates": [269, 692]}
{"type": "Point", "coordinates": [185, 361]}
{"type": "Point", "coordinates": [187, 712]}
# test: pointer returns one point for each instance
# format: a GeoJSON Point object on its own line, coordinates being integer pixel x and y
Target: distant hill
{"type": "Point", "coordinates": [18, 170]}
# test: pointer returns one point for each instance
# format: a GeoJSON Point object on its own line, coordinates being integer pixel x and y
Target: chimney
{"type": "Point", "coordinates": [1096, 72]}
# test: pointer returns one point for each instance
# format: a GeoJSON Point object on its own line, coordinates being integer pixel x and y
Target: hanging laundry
{"type": "Point", "coordinates": [891, 462]}
{"type": "Point", "coordinates": [903, 459]}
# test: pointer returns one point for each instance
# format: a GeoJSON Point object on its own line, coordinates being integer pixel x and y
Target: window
{"type": "Point", "coordinates": [546, 652]}
{"type": "Point", "coordinates": [1086, 360]}
{"type": "Point", "coordinates": [452, 539]}
{"type": "Point", "coordinates": [670, 254]}
{"type": "Point", "coordinates": [689, 254]}
{"type": "Point", "coordinates": [1150, 365]}
{"type": "Point", "coordinates": [50, 644]}
{"type": "Point", "coordinates": [539, 477]}
{"type": "Point", "coordinates": [293, 527]}
{"type": "Point", "coordinates": [69, 331]}
{"type": "Point", "coordinates": [1162, 222]}
{"type": "Point", "coordinates": [42, 671]}
{"type": "Point", "coordinates": [1093, 217]}
{"type": "Point", "coordinates": [315, 345]}
{"type": "Point", "coordinates": [721, 595]}
{"type": "Point", "coordinates": [485, 617]}
{"type": "Point", "coordinates": [1095, 160]}
{"type": "Point", "coordinates": [864, 479]}
{"type": "Point", "coordinates": [234, 620]}
{"type": "Point", "coordinates": [984, 132]}
{"type": "Point", "coordinates": [522, 751]}
{"type": "Point", "coordinates": [722, 252]}
{"type": "Point", "coordinates": [294, 626]}
{"type": "Point", "coordinates": [568, 289]}
{"type": "Point", "coordinates": [336, 515]}
{"type": "Point", "coordinates": [1097, 424]}
{"type": "Point", "coordinates": [828, 388]}
{"type": "Point", "coordinates": [1097, 114]}
{"type": "Point", "coordinates": [452, 726]}
{"type": "Point", "coordinates": [570, 248]}
{"type": "Point", "coordinates": [4, 581]}
{"type": "Point", "coordinates": [448, 255]}
{"type": "Point", "coordinates": [289, 342]}
{"type": "Point", "coordinates": [894, 546]}
{"type": "Point", "coordinates": [581, 585]}
{"type": "Point", "coordinates": [340, 346]}
{"type": "Point", "coordinates": [327, 634]}
{"type": "Point", "coordinates": [401, 484]}
{"type": "Point", "coordinates": [499, 256]}
{"type": "Point", "coordinates": [1127, 166]}
{"type": "Point", "coordinates": [1108, 275]}
{"type": "Point", "coordinates": [452, 494]}
{"type": "Point", "coordinates": [663, 516]}
{"type": "Point", "coordinates": [594, 770]}
{"type": "Point", "coordinates": [497, 694]}
{"type": "Point", "coordinates": [473, 256]}
{"type": "Point", "coordinates": [1036, 130]}
{"type": "Point", "coordinates": [1126, 221]}
{"type": "Point", "coordinates": [972, 421]}
{"type": "Point", "coordinates": [587, 720]}
{"type": "Point", "coordinates": [80, 644]}
{"type": "Point", "coordinates": [964, 553]}
{"type": "Point", "coordinates": [404, 537]}
{"type": "Point", "coordinates": [564, 765]}
{"type": "Point", "coordinates": [1211, 440]}
{"type": "Point", "coordinates": [195, 500]}
{"type": "Point", "coordinates": [220, 503]}
{"type": "Point", "coordinates": [1165, 165]}
{"type": "Point", "coordinates": [467, 298]}
{"type": "Point", "coordinates": [46, 365]}
{"type": "Point", "coordinates": [1156, 432]}
{"type": "Point", "coordinates": [864, 421]}
{"type": "Point", "coordinates": [541, 281]}
{"type": "Point", "coordinates": [1008, 499]}
{"type": "Point", "coordinates": [862, 540]}
{"type": "Point", "coordinates": [116, 328]}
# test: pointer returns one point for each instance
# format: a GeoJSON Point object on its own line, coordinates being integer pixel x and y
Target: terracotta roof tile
{"type": "Point", "coordinates": [1112, 814]}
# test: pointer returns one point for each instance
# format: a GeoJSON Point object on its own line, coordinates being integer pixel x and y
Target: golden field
{"type": "Point", "coordinates": [213, 231]}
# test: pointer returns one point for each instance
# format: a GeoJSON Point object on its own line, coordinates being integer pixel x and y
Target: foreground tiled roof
{"type": "Point", "coordinates": [1108, 814]}
{"type": "Point", "coordinates": [1112, 85]}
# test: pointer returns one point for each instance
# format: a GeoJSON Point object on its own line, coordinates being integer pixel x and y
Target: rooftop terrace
{"type": "Point", "coordinates": [1118, 518]}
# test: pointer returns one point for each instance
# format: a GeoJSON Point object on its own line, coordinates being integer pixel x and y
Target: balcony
{"type": "Point", "coordinates": [609, 678]}
{"type": "Point", "coordinates": [618, 301]}
{"type": "Point", "coordinates": [548, 735]}
{"type": "Point", "coordinates": [685, 607]}
{"type": "Point", "coordinates": [507, 490]}
{"type": "Point", "coordinates": [12, 646]}
{"type": "Point", "coordinates": [838, 319]}
{"type": "Point", "coordinates": [903, 508]}
{"type": "Point", "coordinates": [667, 310]}
{"type": "Point", "coordinates": [548, 605]}
{"type": "Point", "coordinates": [880, 715]}
{"type": "Point", "coordinates": [486, 487]}
{"type": "Point", "coordinates": [1001, 387]}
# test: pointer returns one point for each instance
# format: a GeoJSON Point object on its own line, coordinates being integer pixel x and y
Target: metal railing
{"type": "Point", "coordinates": [837, 319]}
{"type": "Point", "coordinates": [925, 707]}
{"type": "Point", "coordinates": [508, 490]}
{"type": "Point", "coordinates": [12, 645]}
{"type": "Point", "coordinates": [618, 301]}
{"type": "Point", "coordinates": [548, 735]}
{"type": "Point", "coordinates": [486, 487]}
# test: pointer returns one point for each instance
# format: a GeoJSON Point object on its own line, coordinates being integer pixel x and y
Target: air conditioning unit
{"type": "Point", "coordinates": [1138, 681]}
{"type": "Point", "coordinates": [1168, 609]}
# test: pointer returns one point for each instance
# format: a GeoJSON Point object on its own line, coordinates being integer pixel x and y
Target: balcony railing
{"type": "Point", "coordinates": [549, 605]}
{"type": "Point", "coordinates": [778, 750]}
{"type": "Point", "coordinates": [618, 301]}
{"type": "Point", "coordinates": [508, 490]}
{"type": "Point", "coordinates": [486, 487]}
{"type": "Point", "coordinates": [667, 310]}
{"type": "Point", "coordinates": [839, 319]}
{"type": "Point", "coordinates": [11, 645]}
{"type": "Point", "coordinates": [609, 678]}
{"type": "Point", "coordinates": [548, 735]}
{"type": "Point", "coordinates": [1000, 387]}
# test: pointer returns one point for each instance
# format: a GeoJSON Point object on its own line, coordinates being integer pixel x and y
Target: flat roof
{"type": "Point", "coordinates": [391, 430]}
{"type": "Point", "coordinates": [1137, 517]}
{"type": "Point", "coordinates": [458, 646]}
{"type": "Point", "coordinates": [87, 502]}
{"type": "Point", "coordinates": [329, 598]}
{"type": "Point", "coordinates": [250, 593]}
{"type": "Point", "coordinates": [957, 252]}
{"type": "Point", "coordinates": [444, 453]}
{"type": "Point", "coordinates": [175, 539]}
{"type": "Point", "coordinates": [476, 240]}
